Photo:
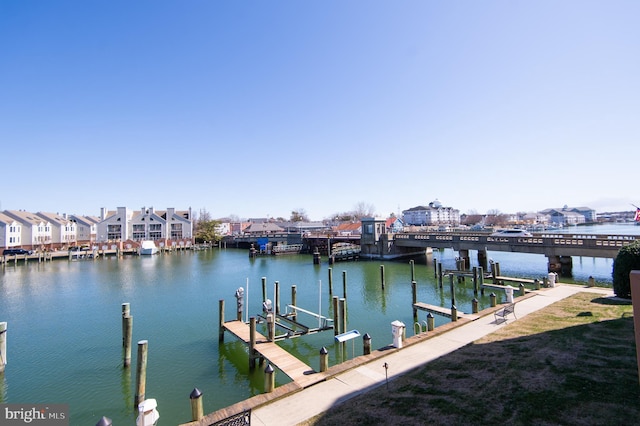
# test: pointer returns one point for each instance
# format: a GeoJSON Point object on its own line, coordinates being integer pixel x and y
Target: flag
{"type": "Point", "coordinates": [637, 218]}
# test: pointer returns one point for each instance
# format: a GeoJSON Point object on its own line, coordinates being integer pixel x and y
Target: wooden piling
{"type": "Point", "coordinates": [366, 344]}
{"type": "Point", "coordinates": [3, 346]}
{"type": "Point", "coordinates": [264, 289]}
{"type": "Point", "coordinates": [253, 354]}
{"type": "Point", "coordinates": [336, 318]}
{"type": "Point", "coordinates": [522, 289]}
{"type": "Point", "coordinates": [141, 373]}
{"type": "Point", "coordinates": [474, 305]}
{"type": "Point", "coordinates": [343, 314]}
{"type": "Point", "coordinates": [197, 411]}
{"type": "Point", "coordinates": [452, 289]}
{"type": "Point", "coordinates": [344, 284]}
{"type": "Point", "coordinates": [475, 280]}
{"type": "Point", "coordinates": [414, 299]}
{"type": "Point", "coordinates": [127, 335]}
{"type": "Point", "coordinates": [413, 270]}
{"type": "Point", "coordinates": [431, 321]}
{"type": "Point", "coordinates": [276, 297]}
{"type": "Point", "coordinates": [454, 313]}
{"type": "Point", "coordinates": [221, 320]}
{"type": "Point", "coordinates": [269, 379]}
{"type": "Point", "coordinates": [324, 359]}
{"type": "Point", "coordinates": [440, 277]}
{"type": "Point", "coordinates": [493, 299]}
{"type": "Point", "coordinates": [330, 272]}
{"type": "Point", "coordinates": [382, 276]}
{"type": "Point", "coordinates": [294, 301]}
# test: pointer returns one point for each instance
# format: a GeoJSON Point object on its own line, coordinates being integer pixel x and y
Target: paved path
{"type": "Point", "coordinates": [305, 404]}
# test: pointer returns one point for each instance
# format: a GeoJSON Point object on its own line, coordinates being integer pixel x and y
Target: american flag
{"type": "Point", "coordinates": [637, 218]}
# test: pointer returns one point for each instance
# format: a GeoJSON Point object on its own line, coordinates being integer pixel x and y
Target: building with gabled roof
{"type": "Point", "coordinates": [35, 230]}
{"type": "Point", "coordinates": [433, 214]}
{"type": "Point", "coordinates": [63, 230]}
{"type": "Point", "coordinates": [10, 231]}
{"type": "Point", "coordinates": [86, 228]}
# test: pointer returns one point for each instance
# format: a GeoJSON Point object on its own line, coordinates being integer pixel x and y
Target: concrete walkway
{"type": "Point", "coordinates": [312, 401]}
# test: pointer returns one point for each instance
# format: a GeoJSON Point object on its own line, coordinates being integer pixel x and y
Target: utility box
{"type": "Point", "coordinates": [509, 292]}
{"type": "Point", "coordinates": [552, 279]}
{"type": "Point", "coordinates": [397, 330]}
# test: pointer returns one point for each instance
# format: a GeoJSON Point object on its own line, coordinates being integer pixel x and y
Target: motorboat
{"type": "Point", "coordinates": [148, 248]}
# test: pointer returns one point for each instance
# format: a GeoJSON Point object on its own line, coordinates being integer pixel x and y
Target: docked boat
{"type": "Point", "coordinates": [148, 248]}
{"type": "Point", "coordinates": [345, 251]}
{"type": "Point", "coordinates": [281, 249]}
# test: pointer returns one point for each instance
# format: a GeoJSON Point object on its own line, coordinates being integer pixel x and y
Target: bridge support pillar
{"type": "Point", "coordinates": [482, 259]}
{"type": "Point", "coordinates": [464, 255]}
{"type": "Point", "coordinates": [563, 265]}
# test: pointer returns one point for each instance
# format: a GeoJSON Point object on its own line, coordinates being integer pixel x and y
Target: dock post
{"type": "Point", "coordinates": [197, 412]}
{"type": "Point", "coordinates": [382, 276]}
{"type": "Point", "coordinates": [3, 345]}
{"type": "Point", "coordinates": [264, 289]}
{"type": "Point", "coordinates": [493, 297]}
{"type": "Point", "coordinates": [474, 305]}
{"type": "Point", "coordinates": [413, 270]}
{"type": "Point", "coordinates": [475, 280]}
{"type": "Point", "coordinates": [294, 301]}
{"type": "Point", "coordinates": [336, 318]}
{"type": "Point", "coordinates": [276, 297]}
{"type": "Point", "coordinates": [435, 268]}
{"type": "Point", "coordinates": [269, 379]}
{"type": "Point", "coordinates": [127, 334]}
{"type": "Point", "coordinates": [324, 359]}
{"type": "Point", "coordinates": [221, 320]}
{"type": "Point", "coordinates": [536, 284]}
{"type": "Point", "coordinates": [344, 284]}
{"type": "Point", "coordinates": [454, 313]}
{"type": "Point", "coordinates": [104, 421]}
{"type": "Point", "coordinates": [440, 277]}
{"type": "Point", "coordinates": [343, 315]}
{"type": "Point", "coordinates": [239, 303]}
{"type": "Point", "coordinates": [414, 298]}
{"type": "Point", "coordinates": [330, 271]}
{"type": "Point", "coordinates": [431, 322]}
{"type": "Point", "coordinates": [252, 342]}
{"type": "Point", "coordinates": [522, 290]}
{"type": "Point", "coordinates": [141, 373]}
{"type": "Point", "coordinates": [452, 289]}
{"type": "Point", "coordinates": [271, 327]}
{"type": "Point", "coordinates": [366, 344]}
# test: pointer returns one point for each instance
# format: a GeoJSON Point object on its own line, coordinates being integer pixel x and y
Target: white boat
{"type": "Point", "coordinates": [148, 248]}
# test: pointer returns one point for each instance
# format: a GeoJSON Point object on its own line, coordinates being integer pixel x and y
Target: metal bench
{"type": "Point", "coordinates": [504, 312]}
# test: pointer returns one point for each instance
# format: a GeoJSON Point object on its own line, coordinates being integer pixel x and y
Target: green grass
{"type": "Point", "coordinates": [573, 363]}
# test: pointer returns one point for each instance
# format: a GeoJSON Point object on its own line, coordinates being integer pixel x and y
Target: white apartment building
{"type": "Point", "coordinates": [35, 230]}
{"type": "Point", "coordinates": [433, 214]}
{"type": "Point", "coordinates": [86, 228]}
{"type": "Point", "coordinates": [144, 224]}
{"type": "Point", "coordinates": [10, 231]}
{"type": "Point", "coordinates": [63, 230]}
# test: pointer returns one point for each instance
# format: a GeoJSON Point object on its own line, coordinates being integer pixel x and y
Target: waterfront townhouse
{"type": "Point", "coordinates": [10, 232]}
{"type": "Point", "coordinates": [114, 225]}
{"type": "Point", "coordinates": [63, 230]}
{"type": "Point", "coordinates": [86, 228]}
{"type": "Point", "coordinates": [35, 231]}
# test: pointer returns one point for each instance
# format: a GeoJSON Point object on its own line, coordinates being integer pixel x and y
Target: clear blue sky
{"type": "Point", "coordinates": [259, 108]}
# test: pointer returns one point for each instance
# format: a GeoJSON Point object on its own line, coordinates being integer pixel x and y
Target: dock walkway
{"type": "Point", "coordinates": [298, 371]}
{"type": "Point", "coordinates": [446, 312]}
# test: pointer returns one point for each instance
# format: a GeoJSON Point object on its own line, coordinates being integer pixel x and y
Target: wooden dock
{"type": "Point", "coordinates": [439, 310]}
{"type": "Point", "coordinates": [298, 371]}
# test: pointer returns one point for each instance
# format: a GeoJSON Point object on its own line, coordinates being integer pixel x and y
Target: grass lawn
{"type": "Point", "coordinates": [572, 363]}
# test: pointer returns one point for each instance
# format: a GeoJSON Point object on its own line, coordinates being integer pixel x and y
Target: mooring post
{"type": "Point", "coordinates": [252, 342]}
{"type": "Point", "coordinates": [127, 334]}
{"type": "Point", "coordinates": [453, 290]}
{"type": "Point", "coordinates": [324, 359]}
{"type": "Point", "coordinates": [474, 305]}
{"type": "Point", "coordinates": [3, 345]}
{"type": "Point", "coordinates": [454, 313]}
{"type": "Point", "coordinates": [435, 268]}
{"type": "Point", "coordinates": [141, 373]}
{"type": "Point", "coordinates": [413, 270]}
{"type": "Point", "coordinates": [475, 280]}
{"type": "Point", "coordinates": [221, 320]}
{"type": "Point", "coordinates": [294, 301]}
{"type": "Point", "coordinates": [330, 271]}
{"type": "Point", "coordinates": [104, 421]}
{"type": "Point", "coordinates": [239, 303]}
{"type": "Point", "coordinates": [431, 322]}
{"type": "Point", "coordinates": [344, 284]}
{"type": "Point", "coordinates": [197, 411]}
{"type": "Point", "coordinates": [414, 298]}
{"type": "Point", "coordinates": [269, 379]}
{"type": "Point", "coordinates": [271, 327]}
{"type": "Point", "coordinates": [343, 315]}
{"type": "Point", "coordinates": [440, 277]}
{"type": "Point", "coordinates": [536, 284]}
{"type": "Point", "coordinates": [382, 276]}
{"type": "Point", "coordinates": [522, 289]}
{"type": "Point", "coordinates": [366, 344]}
{"type": "Point", "coordinates": [276, 297]}
{"type": "Point", "coordinates": [492, 297]}
{"type": "Point", "coordinates": [336, 317]}
{"type": "Point", "coordinates": [264, 289]}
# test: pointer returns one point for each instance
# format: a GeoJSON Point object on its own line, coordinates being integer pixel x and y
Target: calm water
{"type": "Point", "coordinates": [64, 322]}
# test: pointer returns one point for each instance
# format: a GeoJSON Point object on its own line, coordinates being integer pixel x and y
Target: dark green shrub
{"type": "Point", "coordinates": [628, 260]}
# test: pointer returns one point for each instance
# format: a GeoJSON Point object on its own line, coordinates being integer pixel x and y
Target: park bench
{"type": "Point", "coordinates": [504, 312]}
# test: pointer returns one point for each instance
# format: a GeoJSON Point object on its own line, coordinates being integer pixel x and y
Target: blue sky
{"type": "Point", "coordinates": [260, 108]}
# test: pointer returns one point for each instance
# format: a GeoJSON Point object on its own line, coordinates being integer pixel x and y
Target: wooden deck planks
{"type": "Point", "coordinates": [442, 311]}
{"type": "Point", "coordinates": [297, 370]}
